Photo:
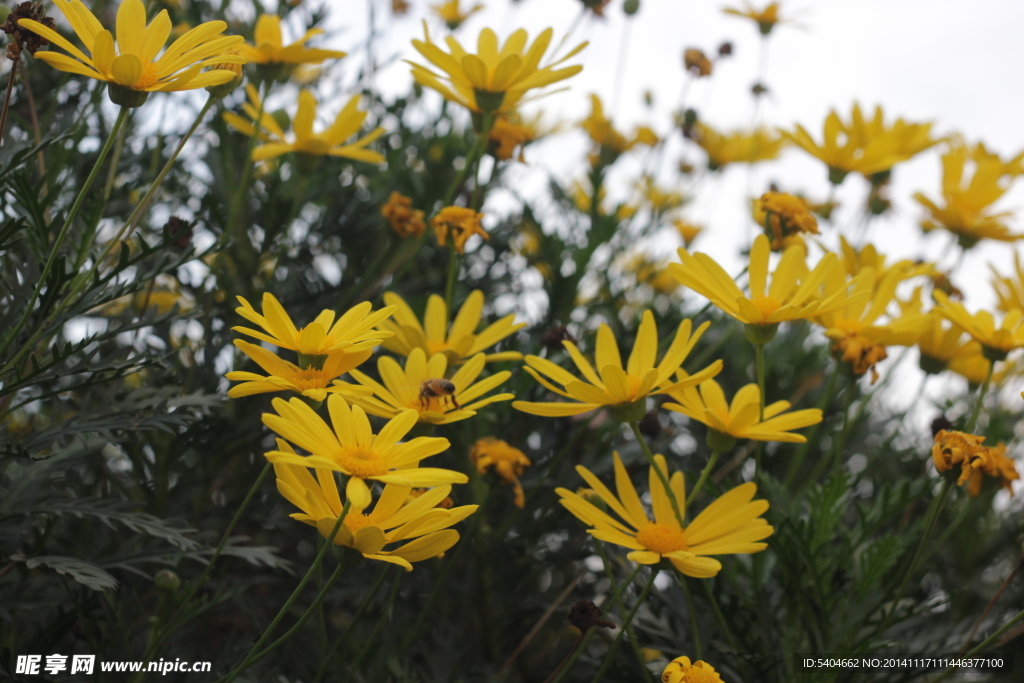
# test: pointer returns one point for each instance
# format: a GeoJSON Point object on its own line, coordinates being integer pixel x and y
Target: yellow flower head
{"type": "Point", "coordinates": [269, 46]}
{"type": "Point", "coordinates": [313, 382]}
{"type": "Point", "coordinates": [459, 221]}
{"type": "Point", "coordinates": [940, 343]}
{"type": "Point", "coordinates": [393, 519]}
{"type": "Point", "coordinates": [349, 446]}
{"type": "Point", "coordinates": [737, 147]}
{"type": "Point", "coordinates": [452, 14]}
{"type": "Point", "coordinates": [996, 341]}
{"type": "Point", "coordinates": [133, 65]}
{"type": "Point", "coordinates": [506, 136]}
{"type": "Point", "coordinates": [783, 215]}
{"type": "Point", "coordinates": [418, 387]}
{"type": "Point", "coordinates": [861, 146]}
{"type": "Point", "coordinates": [459, 342]}
{"type": "Point", "coordinates": [680, 670]}
{"type": "Point", "coordinates": [404, 220]}
{"type": "Point", "coordinates": [1009, 290]}
{"type": "Point", "coordinates": [994, 462]}
{"type": "Point", "coordinates": [741, 420]}
{"type": "Point", "coordinates": [974, 367]}
{"type": "Point", "coordinates": [607, 383]}
{"type": "Point", "coordinates": [607, 137]}
{"type": "Point", "coordinates": [766, 20]}
{"type": "Point", "coordinates": [792, 295]}
{"type": "Point", "coordinates": [352, 333]}
{"type": "Point", "coordinates": [731, 525]}
{"type": "Point", "coordinates": [953, 448]}
{"type": "Point", "coordinates": [494, 80]}
{"type": "Point", "coordinates": [687, 231]}
{"type": "Point", "coordinates": [868, 256]}
{"type": "Point", "coordinates": [967, 205]}
{"type": "Point", "coordinates": [508, 462]}
{"type": "Point", "coordinates": [696, 62]}
{"type": "Point", "coordinates": [304, 140]}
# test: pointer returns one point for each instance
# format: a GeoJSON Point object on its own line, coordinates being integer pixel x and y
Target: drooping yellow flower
{"type": "Point", "coordinates": [688, 232]}
{"type": "Point", "coordinates": [461, 223]}
{"type": "Point", "coordinates": [313, 382]}
{"type": "Point", "coordinates": [132, 68]}
{"type": "Point", "coordinates": [495, 80]}
{"type": "Point", "coordinates": [404, 220]}
{"type": "Point", "coordinates": [967, 207]}
{"type": "Point", "coordinates": [767, 305]}
{"type": "Point", "coordinates": [731, 525]}
{"type": "Point", "coordinates": [741, 420]}
{"type": "Point", "coordinates": [996, 341]}
{"type": "Point", "coordinates": [766, 20]}
{"type": "Point", "coordinates": [993, 462]}
{"type": "Point", "coordinates": [680, 670]}
{"type": "Point", "coordinates": [452, 14]}
{"type": "Point", "coordinates": [507, 461]}
{"type": "Point", "coordinates": [459, 342]}
{"type": "Point", "coordinates": [304, 141]}
{"type": "Point", "coordinates": [352, 333]}
{"type": "Point", "coordinates": [269, 47]}
{"type": "Point", "coordinates": [393, 519]}
{"type": "Point", "coordinates": [1009, 290]}
{"type": "Point", "coordinates": [737, 147]}
{"type": "Point", "coordinates": [952, 448]}
{"type": "Point", "coordinates": [608, 383]}
{"type": "Point", "coordinates": [407, 388]}
{"type": "Point", "coordinates": [866, 147]}
{"type": "Point", "coordinates": [349, 446]}
{"type": "Point", "coordinates": [784, 216]}
{"type": "Point", "coordinates": [603, 132]}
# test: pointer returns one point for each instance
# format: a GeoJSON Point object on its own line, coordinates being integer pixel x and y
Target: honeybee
{"type": "Point", "coordinates": [437, 388]}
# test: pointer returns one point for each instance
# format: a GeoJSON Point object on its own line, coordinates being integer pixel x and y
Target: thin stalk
{"type": "Point", "coordinates": [720, 617]}
{"type": "Point", "coordinates": [376, 629]}
{"type": "Point", "coordinates": [759, 362]}
{"type": "Point", "coordinates": [991, 604]}
{"type": "Point", "coordinates": [691, 607]}
{"type": "Point", "coordinates": [985, 644]}
{"type": "Point", "coordinates": [291, 600]}
{"type": "Point", "coordinates": [617, 604]}
{"type": "Point", "coordinates": [981, 399]}
{"type": "Point", "coordinates": [29, 305]}
{"type": "Point", "coordinates": [322, 669]}
{"type": "Point", "coordinates": [635, 426]}
{"type": "Point", "coordinates": [933, 516]}
{"type": "Point", "coordinates": [114, 161]}
{"type": "Point", "coordinates": [618, 637]}
{"type": "Point", "coordinates": [453, 273]}
{"type": "Point", "coordinates": [801, 454]}
{"type": "Point", "coordinates": [7, 95]}
{"type": "Point", "coordinates": [703, 478]}
{"type": "Point", "coordinates": [243, 183]}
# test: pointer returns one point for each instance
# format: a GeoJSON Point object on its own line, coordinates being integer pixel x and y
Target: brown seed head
{"type": "Point", "coordinates": [23, 39]}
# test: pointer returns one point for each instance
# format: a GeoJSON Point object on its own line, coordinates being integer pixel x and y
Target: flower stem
{"type": "Point", "coordinates": [7, 95]}
{"type": "Point", "coordinates": [453, 273]}
{"type": "Point", "coordinates": [692, 609]}
{"type": "Point", "coordinates": [617, 604]}
{"type": "Point", "coordinates": [826, 397]}
{"type": "Point", "coordinates": [703, 478]}
{"type": "Point", "coordinates": [29, 305]}
{"type": "Point", "coordinates": [635, 426]}
{"type": "Point", "coordinates": [985, 644]}
{"type": "Point", "coordinates": [721, 617]}
{"type": "Point", "coordinates": [322, 669]}
{"type": "Point", "coordinates": [759, 363]}
{"type": "Point", "coordinates": [981, 399]}
{"type": "Point", "coordinates": [249, 658]}
{"type": "Point", "coordinates": [618, 637]}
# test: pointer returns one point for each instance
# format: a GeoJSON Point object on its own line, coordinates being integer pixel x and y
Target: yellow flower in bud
{"type": "Point", "coordinates": [784, 215]}
{"type": "Point", "coordinates": [731, 525]}
{"type": "Point", "coordinates": [404, 220]}
{"type": "Point", "coordinates": [505, 137]}
{"type": "Point", "coordinates": [688, 232]}
{"type": "Point", "coordinates": [696, 62]}
{"type": "Point", "coordinates": [497, 78]}
{"type": "Point", "coordinates": [680, 670]}
{"type": "Point", "coordinates": [461, 223]}
{"type": "Point", "coordinates": [508, 462]}
{"type": "Point", "coordinates": [269, 47]}
{"type": "Point", "coordinates": [452, 14]}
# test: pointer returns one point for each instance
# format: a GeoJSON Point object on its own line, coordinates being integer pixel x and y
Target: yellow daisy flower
{"type": "Point", "coordinates": [996, 341]}
{"type": "Point", "coordinates": [411, 389]}
{"type": "Point", "coordinates": [312, 382]}
{"type": "Point", "coordinates": [767, 305]}
{"type": "Point", "coordinates": [393, 519]}
{"type": "Point", "coordinates": [352, 333]}
{"type": "Point", "coordinates": [740, 420]}
{"type": "Point", "coordinates": [680, 670]}
{"type": "Point", "coordinates": [461, 223]}
{"type": "Point", "coordinates": [624, 390]}
{"type": "Point", "coordinates": [607, 137]}
{"type": "Point", "coordinates": [940, 344]}
{"type": "Point", "coordinates": [349, 446]}
{"type": "Point", "coordinates": [966, 212]}
{"type": "Point", "coordinates": [452, 14]}
{"type": "Point", "coordinates": [1009, 290]}
{"type": "Point", "coordinates": [508, 462]}
{"type": "Point", "coordinates": [131, 70]}
{"type": "Point", "coordinates": [737, 147]}
{"type": "Point", "coordinates": [459, 341]}
{"type": "Point", "coordinates": [269, 47]}
{"type": "Point", "coordinates": [688, 232]}
{"type": "Point", "coordinates": [494, 80]}
{"type": "Point", "coordinates": [994, 462]}
{"type": "Point", "coordinates": [305, 141]}
{"type": "Point", "coordinates": [731, 525]}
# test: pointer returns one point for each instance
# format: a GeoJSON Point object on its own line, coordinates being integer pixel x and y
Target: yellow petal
{"type": "Point", "coordinates": [126, 70]}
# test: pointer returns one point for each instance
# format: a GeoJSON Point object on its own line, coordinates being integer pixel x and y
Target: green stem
{"type": "Point", "coordinates": [797, 462]}
{"type": "Point", "coordinates": [453, 274]}
{"type": "Point", "coordinates": [322, 669]}
{"type": "Point", "coordinates": [985, 644]}
{"type": "Point", "coordinates": [617, 604]}
{"type": "Point", "coordinates": [759, 362]}
{"type": "Point", "coordinates": [703, 478]}
{"type": "Point", "coordinates": [692, 609]}
{"type": "Point", "coordinates": [635, 426]}
{"type": "Point", "coordinates": [243, 183]}
{"type": "Point", "coordinates": [932, 517]}
{"type": "Point", "coordinates": [29, 305]}
{"type": "Point", "coordinates": [720, 617]}
{"type": "Point", "coordinates": [112, 170]}
{"type": "Point", "coordinates": [981, 399]}
{"type": "Point", "coordinates": [618, 637]}
{"type": "Point", "coordinates": [376, 629]}
{"type": "Point", "coordinates": [291, 600]}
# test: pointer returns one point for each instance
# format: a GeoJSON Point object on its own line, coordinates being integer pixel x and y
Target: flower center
{"type": "Point", "coordinates": [310, 378]}
{"type": "Point", "coordinates": [661, 538]}
{"type": "Point", "coordinates": [766, 305]}
{"type": "Point", "coordinates": [148, 78]}
{"type": "Point", "coordinates": [362, 462]}
{"type": "Point", "coordinates": [698, 674]}
{"type": "Point", "coordinates": [357, 520]}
